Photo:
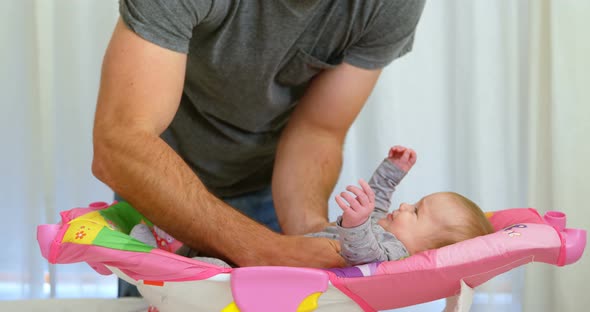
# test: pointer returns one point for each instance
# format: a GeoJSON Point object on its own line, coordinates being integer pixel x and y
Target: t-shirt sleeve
{"type": "Point", "coordinates": [389, 36]}
{"type": "Point", "coordinates": [167, 23]}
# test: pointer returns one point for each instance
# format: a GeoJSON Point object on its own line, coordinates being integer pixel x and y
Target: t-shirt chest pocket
{"type": "Point", "coordinates": [300, 69]}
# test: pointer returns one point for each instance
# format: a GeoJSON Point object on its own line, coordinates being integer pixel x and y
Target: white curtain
{"type": "Point", "coordinates": [560, 143]}
{"type": "Point", "coordinates": [51, 56]}
{"type": "Point", "coordinates": [494, 99]}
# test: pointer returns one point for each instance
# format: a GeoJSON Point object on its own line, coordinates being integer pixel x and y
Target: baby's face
{"type": "Point", "coordinates": [410, 222]}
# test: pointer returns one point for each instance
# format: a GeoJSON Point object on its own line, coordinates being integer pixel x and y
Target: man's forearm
{"type": "Point", "coordinates": [306, 169]}
{"type": "Point", "coordinates": [155, 180]}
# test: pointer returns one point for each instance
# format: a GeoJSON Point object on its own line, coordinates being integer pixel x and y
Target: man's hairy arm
{"type": "Point", "coordinates": [139, 94]}
{"type": "Point", "coordinates": [309, 155]}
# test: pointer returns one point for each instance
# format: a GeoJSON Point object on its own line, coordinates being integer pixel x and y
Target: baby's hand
{"type": "Point", "coordinates": [359, 208]}
{"type": "Point", "coordinates": [403, 157]}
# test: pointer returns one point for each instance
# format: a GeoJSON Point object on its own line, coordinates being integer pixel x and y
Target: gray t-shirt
{"type": "Point", "coordinates": [250, 61]}
{"type": "Point", "coordinates": [370, 242]}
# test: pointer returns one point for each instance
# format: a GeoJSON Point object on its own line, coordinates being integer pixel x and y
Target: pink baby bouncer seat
{"type": "Point", "coordinates": [98, 235]}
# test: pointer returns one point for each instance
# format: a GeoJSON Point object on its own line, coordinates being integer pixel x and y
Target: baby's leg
{"type": "Point", "coordinates": [142, 233]}
{"type": "Point", "coordinates": [214, 261]}
{"type": "Point", "coordinates": [194, 254]}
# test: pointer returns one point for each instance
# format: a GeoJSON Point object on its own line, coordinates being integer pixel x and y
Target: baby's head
{"type": "Point", "coordinates": [435, 221]}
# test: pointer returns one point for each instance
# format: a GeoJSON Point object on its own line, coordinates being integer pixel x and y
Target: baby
{"type": "Point", "coordinates": [368, 233]}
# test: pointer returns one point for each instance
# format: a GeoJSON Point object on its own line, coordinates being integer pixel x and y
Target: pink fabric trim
{"type": "Point", "coordinates": [562, 250]}
{"type": "Point", "coordinates": [504, 218]}
{"type": "Point", "coordinates": [557, 222]}
{"type": "Point", "coordinates": [157, 265]}
{"type": "Point", "coordinates": [69, 215]}
{"type": "Point", "coordinates": [535, 212]}
{"type": "Point", "coordinates": [212, 270]}
{"type": "Point", "coordinates": [337, 282]}
{"type": "Point", "coordinates": [55, 248]}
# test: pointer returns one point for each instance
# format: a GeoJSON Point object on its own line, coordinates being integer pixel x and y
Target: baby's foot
{"type": "Point", "coordinates": [142, 233]}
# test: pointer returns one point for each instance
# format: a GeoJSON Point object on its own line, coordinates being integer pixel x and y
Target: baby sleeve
{"type": "Point", "coordinates": [366, 243]}
{"type": "Point", "coordinates": [383, 182]}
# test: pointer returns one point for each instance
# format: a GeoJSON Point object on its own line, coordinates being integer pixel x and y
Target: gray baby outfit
{"type": "Point", "coordinates": [250, 61]}
{"type": "Point", "coordinates": [369, 242]}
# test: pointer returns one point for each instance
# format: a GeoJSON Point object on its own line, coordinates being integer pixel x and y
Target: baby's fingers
{"type": "Point", "coordinates": [368, 190]}
{"type": "Point", "coordinates": [353, 202]}
{"type": "Point", "coordinates": [406, 156]}
{"type": "Point", "coordinates": [342, 204]}
{"type": "Point", "coordinates": [395, 150]}
{"type": "Point", "coordinates": [412, 157]}
{"type": "Point", "coordinates": [361, 196]}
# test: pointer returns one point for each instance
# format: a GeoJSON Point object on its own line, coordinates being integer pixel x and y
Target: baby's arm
{"type": "Point", "coordinates": [388, 175]}
{"type": "Point", "coordinates": [359, 241]}
{"type": "Point", "coordinates": [361, 244]}
{"type": "Point", "coordinates": [358, 244]}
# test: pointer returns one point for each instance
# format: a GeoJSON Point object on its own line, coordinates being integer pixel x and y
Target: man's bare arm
{"type": "Point", "coordinates": [309, 155]}
{"type": "Point", "coordinates": [139, 94]}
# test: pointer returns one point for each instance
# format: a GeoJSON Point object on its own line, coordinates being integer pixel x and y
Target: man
{"type": "Point", "coordinates": [201, 100]}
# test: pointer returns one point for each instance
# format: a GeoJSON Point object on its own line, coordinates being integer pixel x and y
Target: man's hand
{"type": "Point", "coordinates": [315, 252]}
{"type": "Point", "coordinates": [403, 157]}
{"type": "Point", "coordinates": [326, 252]}
{"type": "Point", "coordinates": [359, 208]}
